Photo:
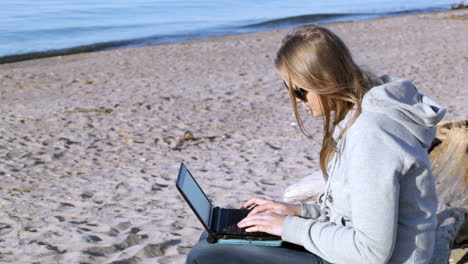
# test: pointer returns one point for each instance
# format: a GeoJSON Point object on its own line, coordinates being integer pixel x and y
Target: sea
{"type": "Point", "coordinates": [39, 28]}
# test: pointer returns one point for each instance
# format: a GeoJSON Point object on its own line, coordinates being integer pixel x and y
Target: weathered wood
{"type": "Point", "coordinates": [449, 160]}
{"type": "Point", "coordinates": [306, 190]}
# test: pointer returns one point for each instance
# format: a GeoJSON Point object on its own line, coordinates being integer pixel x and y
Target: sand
{"type": "Point", "coordinates": [90, 144]}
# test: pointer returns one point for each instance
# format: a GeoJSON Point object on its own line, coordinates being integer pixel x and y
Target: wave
{"type": "Point", "coordinates": [332, 17]}
{"type": "Point", "coordinates": [212, 32]}
{"type": "Point", "coordinates": [144, 41]}
{"type": "Point", "coordinates": [296, 20]}
{"type": "Point", "coordinates": [66, 51]}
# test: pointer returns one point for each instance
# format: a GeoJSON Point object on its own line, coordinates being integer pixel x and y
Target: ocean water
{"type": "Point", "coordinates": [37, 28]}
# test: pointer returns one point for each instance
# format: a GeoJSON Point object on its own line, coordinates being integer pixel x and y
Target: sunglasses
{"type": "Point", "coordinates": [298, 92]}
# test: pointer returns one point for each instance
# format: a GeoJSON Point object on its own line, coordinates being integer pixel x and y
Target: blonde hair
{"type": "Point", "coordinates": [317, 60]}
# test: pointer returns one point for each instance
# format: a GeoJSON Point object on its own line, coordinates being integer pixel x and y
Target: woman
{"type": "Point", "coordinates": [379, 202]}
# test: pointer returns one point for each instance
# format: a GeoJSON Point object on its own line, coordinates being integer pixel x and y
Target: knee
{"type": "Point", "coordinates": [205, 253]}
{"type": "Point", "coordinates": [191, 258]}
{"type": "Point", "coordinates": [197, 254]}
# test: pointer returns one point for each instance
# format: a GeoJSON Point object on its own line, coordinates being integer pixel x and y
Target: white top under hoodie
{"type": "Point", "coordinates": [380, 202]}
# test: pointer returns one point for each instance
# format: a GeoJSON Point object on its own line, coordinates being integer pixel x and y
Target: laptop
{"type": "Point", "coordinates": [220, 223]}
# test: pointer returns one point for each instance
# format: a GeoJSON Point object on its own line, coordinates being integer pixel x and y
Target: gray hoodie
{"type": "Point", "coordinates": [380, 202]}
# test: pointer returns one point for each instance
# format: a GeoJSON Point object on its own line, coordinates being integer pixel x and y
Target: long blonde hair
{"type": "Point", "coordinates": [317, 60]}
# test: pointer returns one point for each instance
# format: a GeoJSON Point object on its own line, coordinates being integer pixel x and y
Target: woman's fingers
{"type": "Point", "coordinates": [258, 228]}
{"type": "Point", "coordinates": [261, 208]}
{"type": "Point", "coordinates": [248, 203]}
{"type": "Point", "coordinates": [254, 201]}
{"type": "Point", "coordinates": [266, 222]}
{"type": "Point", "coordinates": [258, 219]}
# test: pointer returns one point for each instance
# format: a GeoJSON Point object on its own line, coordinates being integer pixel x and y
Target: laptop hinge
{"type": "Point", "coordinates": [215, 219]}
{"type": "Point", "coordinates": [210, 220]}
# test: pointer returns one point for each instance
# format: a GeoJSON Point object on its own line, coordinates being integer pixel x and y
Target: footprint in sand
{"type": "Point", "coordinates": [93, 239]}
{"type": "Point", "coordinates": [5, 229]}
{"type": "Point", "coordinates": [129, 241]}
{"type": "Point", "coordinates": [156, 250]}
{"type": "Point", "coordinates": [152, 251]}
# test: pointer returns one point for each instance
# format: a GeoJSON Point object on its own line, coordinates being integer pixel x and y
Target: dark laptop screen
{"type": "Point", "coordinates": [194, 195]}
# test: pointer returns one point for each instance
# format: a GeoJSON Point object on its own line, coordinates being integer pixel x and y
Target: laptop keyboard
{"type": "Point", "coordinates": [234, 229]}
{"type": "Point", "coordinates": [236, 216]}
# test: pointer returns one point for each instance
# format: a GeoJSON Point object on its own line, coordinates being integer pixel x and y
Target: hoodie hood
{"type": "Point", "coordinates": [400, 100]}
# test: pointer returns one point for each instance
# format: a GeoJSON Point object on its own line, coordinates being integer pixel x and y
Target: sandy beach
{"type": "Point", "coordinates": [90, 144]}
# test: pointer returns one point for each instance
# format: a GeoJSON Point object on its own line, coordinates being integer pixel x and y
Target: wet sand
{"type": "Point", "coordinates": [90, 144]}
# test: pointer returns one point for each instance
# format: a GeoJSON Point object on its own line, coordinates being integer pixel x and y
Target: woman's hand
{"type": "Point", "coordinates": [266, 205]}
{"type": "Point", "coordinates": [267, 222]}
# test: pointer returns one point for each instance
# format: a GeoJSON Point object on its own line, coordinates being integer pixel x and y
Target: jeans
{"type": "Point", "coordinates": [206, 253]}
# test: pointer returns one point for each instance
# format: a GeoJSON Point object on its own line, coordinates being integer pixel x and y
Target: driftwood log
{"type": "Point", "coordinates": [449, 159]}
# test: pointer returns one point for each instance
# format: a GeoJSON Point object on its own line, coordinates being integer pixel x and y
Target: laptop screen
{"type": "Point", "coordinates": [194, 195]}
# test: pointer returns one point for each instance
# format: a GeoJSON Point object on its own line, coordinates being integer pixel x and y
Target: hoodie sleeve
{"type": "Point", "coordinates": [310, 210]}
{"type": "Point", "coordinates": [373, 167]}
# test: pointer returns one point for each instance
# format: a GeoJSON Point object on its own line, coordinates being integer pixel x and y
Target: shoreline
{"type": "Point", "coordinates": [92, 142]}
{"type": "Point", "coordinates": [281, 23]}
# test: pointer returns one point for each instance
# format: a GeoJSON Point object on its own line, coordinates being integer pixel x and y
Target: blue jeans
{"type": "Point", "coordinates": [206, 253]}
